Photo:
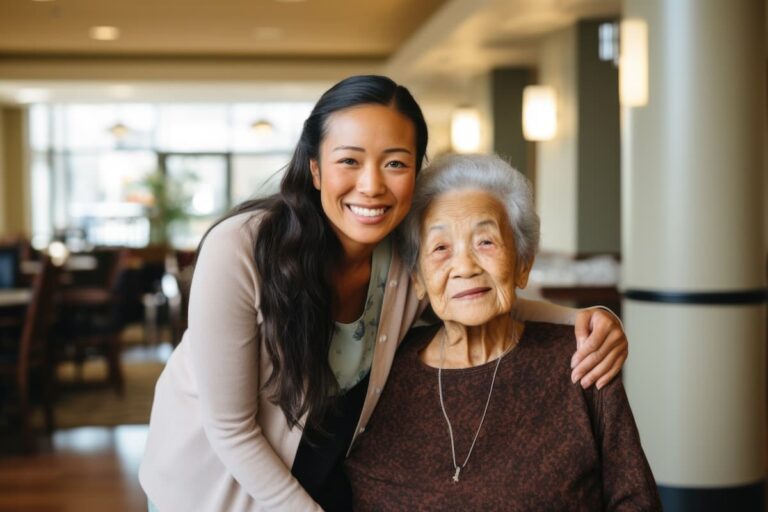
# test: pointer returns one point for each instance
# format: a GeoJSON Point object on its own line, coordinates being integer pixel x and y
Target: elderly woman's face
{"type": "Point", "coordinates": [468, 265]}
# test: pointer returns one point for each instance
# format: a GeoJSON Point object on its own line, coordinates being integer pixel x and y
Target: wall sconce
{"type": "Point", "coordinates": [633, 63]}
{"type": "Point", "coordinates": [465, 130]}
{"type": "Point", "coordinates": [539, 113]}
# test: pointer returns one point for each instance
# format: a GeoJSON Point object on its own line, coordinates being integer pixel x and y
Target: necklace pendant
{"type": "Point", "coordinates": [456, 474]}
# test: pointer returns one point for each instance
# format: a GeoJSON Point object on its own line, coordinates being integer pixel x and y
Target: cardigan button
{"type": "Point", "coordinates": [392, 283]}
{"type": "Point", "coordinates": [378, 390]}
{"type": "Point", "coordinates": [362, 429]}
{"type": "Point", "coordinates": [382, 338]}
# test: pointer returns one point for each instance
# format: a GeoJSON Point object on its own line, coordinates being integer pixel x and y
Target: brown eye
{"type": "Point", "coordinates": [485, 243]}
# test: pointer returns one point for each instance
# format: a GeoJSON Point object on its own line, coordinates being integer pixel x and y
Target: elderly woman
{"type": "Point", "coordinates": [479, 411]}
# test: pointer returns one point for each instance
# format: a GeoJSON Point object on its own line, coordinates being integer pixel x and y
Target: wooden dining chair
{"type": "Point", "coordinates": [91, 322]}
{"type": "Point", "coordinates": [31, 355]}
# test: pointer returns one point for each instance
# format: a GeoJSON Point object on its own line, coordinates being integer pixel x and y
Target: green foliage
{"type": "Point", "coordinates": [170, 202]}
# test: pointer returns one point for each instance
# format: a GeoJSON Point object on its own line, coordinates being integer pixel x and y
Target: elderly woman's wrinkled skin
{"type": "Point", "coordinates": [469, 269]}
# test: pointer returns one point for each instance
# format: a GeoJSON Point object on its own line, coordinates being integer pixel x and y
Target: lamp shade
{"type": "Point", "coordinates": [465, 130]}
{"type": "Point", "coordinates": [262, 127]}
{"type": "Point", "coordinates": [633, 63]}
{"type": "Point", "coordinates": [539, 112]}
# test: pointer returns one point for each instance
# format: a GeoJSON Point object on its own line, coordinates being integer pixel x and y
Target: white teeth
{"type": "Point", "coordinates": [367, 212]}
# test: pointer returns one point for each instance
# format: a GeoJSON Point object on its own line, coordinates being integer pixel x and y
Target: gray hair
{"type": "Point", "coordinates": [488, 173]}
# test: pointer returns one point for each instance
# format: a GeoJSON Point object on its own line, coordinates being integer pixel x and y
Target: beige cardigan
{"type": "Point", "coordinates": [215, 443]}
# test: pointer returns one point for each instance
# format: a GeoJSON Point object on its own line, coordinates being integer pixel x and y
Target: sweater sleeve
{"type": "Point", "coordinates": [542, 311]}
{"type": "Point", "coordinates": [628, 483]}
{"type": "Point", "coordinates": [223, 316]}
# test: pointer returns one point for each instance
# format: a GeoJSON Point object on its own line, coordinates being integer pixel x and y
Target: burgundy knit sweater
{"type": "Point", "coordinates": [546, 443]}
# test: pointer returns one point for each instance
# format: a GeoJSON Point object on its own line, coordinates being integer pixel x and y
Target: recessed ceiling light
{"type": "Point", "coordinates": [105, 33]}
{"type": "Point", "coordinates": [267, 32]}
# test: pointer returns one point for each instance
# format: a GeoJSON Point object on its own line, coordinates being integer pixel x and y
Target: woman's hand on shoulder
{"type": "Point", "coordinates": [602, 348]}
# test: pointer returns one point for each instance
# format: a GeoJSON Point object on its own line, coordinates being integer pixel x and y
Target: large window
{"type": "Point", "coordinates": [111, 173]}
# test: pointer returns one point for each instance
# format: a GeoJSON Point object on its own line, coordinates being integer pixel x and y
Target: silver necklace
{"type": "Point", "coordinates": [456, 467]}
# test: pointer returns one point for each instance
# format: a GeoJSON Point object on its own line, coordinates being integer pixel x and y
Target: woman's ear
{"type": "Point", "coordinates": [521, 281]}
{"type": "Point", "coordinates": [418, 286]}
{"type": "Point", "coordinates": [314, 168]}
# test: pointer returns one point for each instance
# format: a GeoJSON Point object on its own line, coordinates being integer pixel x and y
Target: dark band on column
{"type": "Point", "coordinates": [741, 297]}
{"type": "Point", "coordinates": [745, 498]}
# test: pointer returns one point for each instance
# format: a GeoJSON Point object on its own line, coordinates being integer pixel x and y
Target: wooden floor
{"type": "Point", "coordinates": [89, 469]}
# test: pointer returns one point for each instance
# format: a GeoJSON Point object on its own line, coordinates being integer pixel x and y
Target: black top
{"type": "Point", "coordinates": [319, 462]}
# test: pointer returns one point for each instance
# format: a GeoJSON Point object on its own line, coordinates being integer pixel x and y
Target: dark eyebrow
{"type": "Point", "coordinates": [357, 148]}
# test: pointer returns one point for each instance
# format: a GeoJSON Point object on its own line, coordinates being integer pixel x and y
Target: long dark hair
{"type": "Point", "coordinates": [294, 251]}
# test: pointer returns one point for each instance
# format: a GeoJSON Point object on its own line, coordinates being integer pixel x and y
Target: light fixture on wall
{"type": "Point", "coordinates": [633, 63]}
{"type": "Point", "coordinates": [539, 113]}
{"type": "Point", "coordinates": [465, 130]}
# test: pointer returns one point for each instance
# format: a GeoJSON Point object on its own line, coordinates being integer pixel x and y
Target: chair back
{"type": "Point", "coordinates": [39, 312]}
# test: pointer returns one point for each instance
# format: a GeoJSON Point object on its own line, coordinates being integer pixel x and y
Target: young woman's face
{"type": "Point", "coordinates": [365, 173]}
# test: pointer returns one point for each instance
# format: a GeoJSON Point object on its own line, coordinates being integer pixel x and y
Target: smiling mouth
{"type": "Point", "coordinates": [471, 293]}
{"type": "Point", "coordinates": [368, 212]}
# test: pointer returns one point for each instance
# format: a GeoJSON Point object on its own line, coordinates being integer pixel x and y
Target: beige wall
{"type": "Point", "coordinates": [556, 173]}
{"type": "Point", "coordinates": [14, 189]}
{"type": "Point", "coordinates": [3, 176]}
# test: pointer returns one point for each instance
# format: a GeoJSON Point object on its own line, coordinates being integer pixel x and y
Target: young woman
{"type": "Point", "coordinates": [297, 306]}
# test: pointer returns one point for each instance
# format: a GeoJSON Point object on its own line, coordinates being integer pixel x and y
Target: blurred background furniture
{"type": "Point", "coordinates": [168, 304]}
{"type": "Point", "coordinates": [578, 282]}
{"type": "Point", "coordinates": [92, 317]}
{"type": "Point", "coordinates": [9, 266]}
{"type": "Point", "coordinates": [26, 370]}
